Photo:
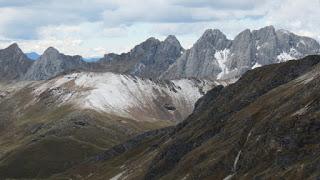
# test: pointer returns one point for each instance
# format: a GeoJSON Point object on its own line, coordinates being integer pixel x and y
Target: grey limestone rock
{"type": "Point", "coordinates": [13, 63]}
{"type": "Point", "coordinates": [52, 63]}
{"type": "Point", "coordinates": [214, 56]}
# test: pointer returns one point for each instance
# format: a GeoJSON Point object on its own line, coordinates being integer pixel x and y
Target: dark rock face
{"type": "Point", "coordinates": [149, 59]}
{"type": "Point", "coordinates": [214, 56]}
{"type": "Point", "coordinates": [13, 63]}
{"type": "Point", "coordinates": [52, 63]}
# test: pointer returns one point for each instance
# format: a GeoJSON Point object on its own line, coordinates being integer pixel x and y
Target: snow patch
{"type": "Point", "coordinates": [125, 95]}
{"type": "Point", "coordinates": [284, 57]}
{"type": "Point", "coordinates": [258, 47]}
{"type": "Point", "coordinates": [234, 168]}
{"type": "Point", "coordinates": [300, 111]}
{"type": "Point", "coordinates": [256, 65]}
{"type": "Point", "coordinates": [236, 161]}
{"type": "Point", "coordinates": [228, 177]}
{"type": "Point", "coordinates": [291, 55]}
{"type": "Point", "coordinates": [117, 177]}
{"type": "Point", "coordinates": [222, 58]}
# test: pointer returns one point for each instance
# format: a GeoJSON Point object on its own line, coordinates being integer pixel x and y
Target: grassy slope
{"type": "Point", "coordinates": [40, 139]}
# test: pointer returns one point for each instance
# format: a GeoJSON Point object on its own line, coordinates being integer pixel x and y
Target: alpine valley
{"type": "Point", "coordinates": [246, 108]}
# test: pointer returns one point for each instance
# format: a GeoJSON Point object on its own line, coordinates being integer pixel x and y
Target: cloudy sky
{"type": "Point", "coordinates": [95, 27]}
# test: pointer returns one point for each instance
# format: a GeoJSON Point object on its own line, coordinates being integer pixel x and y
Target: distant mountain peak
{"type": "Point", "coordinates": [13, 63]}
{"type": "Point", "coordinates": [213, 32]}
{"type": "Point", "coordinates": [32, 55]}
{"type": "Point", "coordinates": [270, 27]}
{"type": "Point", "coordinates": [51, 50]}
{"type": "Point", "coordinates": [212, 35]}
{"type": "Point", "coordinates": [14, 45]}
{"type": "Point", "coordinates": [152, 39]}
{"type": "Point", "coordinates": [15, 48]}
{"type": "Point", "coordinates": [171, 38]}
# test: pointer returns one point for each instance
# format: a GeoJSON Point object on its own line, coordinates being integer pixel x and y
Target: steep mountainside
{"type": "Point", "coordinates": [214, 56]}
{"type": "Point", "coordinates": [148, 59]}
{"type": "Point", "coordinates": [13, 63]}
{"type": "Point", "coordinates": [264, 126]}
{"type": "Point", "coordinates": [52, 63]}
{"type": "Point", "coordinates": [48, 126]}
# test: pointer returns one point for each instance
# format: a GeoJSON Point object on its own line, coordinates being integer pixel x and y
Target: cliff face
{"type": "Point", "coordinates": [214, 56]}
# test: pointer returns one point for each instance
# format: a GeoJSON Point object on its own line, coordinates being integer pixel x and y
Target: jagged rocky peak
{"type": "Point", "coordinates": [244, 34]}
{"type": "Point", "coordinates": [13, 63]}
{"type": "Point", "coordinates": [51, 50]}
{"type": "Point", "coordinates": [148, 45]}
{"type": "Point", "coordinates": [148, 59]}
{"type": "Point", "coordinates": [214, 56]}
{"type": "Point", "coordinates": [171, 39]}
{"type": "Point", "coordinates": [267, 29]}
{"type": "Point", "coordinates": [50, 53]}
{"type": "Point", "coordinates": [302, 44]}
{"type": "Point", "coordinates": [266, 35]}
{"type": "Point", "coordinates": [172, 45]}
{"type": "Point", "coordinates": [151, 41]}
{"type": "Point", "coordinates": [13, 46]}
{"type": "Point", "coordinates": [14, 49]}
{"type": "Point", "coordinates": [213, 38]}
{"type": "Point", "coordinates": [209, 33]}
{"type": "Point", "coordinates": [52, 63]}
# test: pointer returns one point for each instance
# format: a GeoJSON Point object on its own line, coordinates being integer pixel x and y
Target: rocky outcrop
{"type": "Point", "coordinates": [148, 59]}
{"type": "Point", "coordinates": [52, 63]}
{"type": "Point", "coordinates": [214, 56]}
{"type": "Point", "coordinates": [13, 63]}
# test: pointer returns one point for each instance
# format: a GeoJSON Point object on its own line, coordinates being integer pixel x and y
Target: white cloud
{"type": "Point", "coordinates": [93, 27]}
{"type": "Point", "coordinates": [299, 16]}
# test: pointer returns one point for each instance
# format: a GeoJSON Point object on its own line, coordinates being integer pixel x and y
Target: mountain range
{"type": "Point", "coordinates": [246, 108]}
{"type": "Point", "coordinates": [213, 56]}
